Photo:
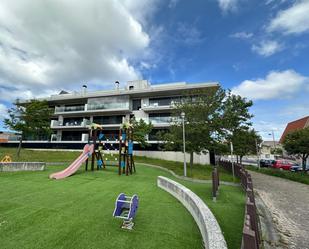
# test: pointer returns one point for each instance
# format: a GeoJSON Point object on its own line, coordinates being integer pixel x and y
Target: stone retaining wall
{"type": "Point", "coordinates": [22, 166]}
{"type": "Point", "coordinates": [207, 223]}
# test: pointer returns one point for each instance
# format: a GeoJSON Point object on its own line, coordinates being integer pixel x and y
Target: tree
{"type": "Point", "coordinates": [209, 115]}
{"type": "Point", "coordinates": [140, 131]}
{"type": "Point", "coordinates": [245, 142]}
{"type": "Point", "coordinates": [236, 115]}
{"type": "Point", "coordinates": [297, 143]}
{"type": "Point", "coordinates": [31, 119]}
{"type": "Point", "coordinates": [276, 151]}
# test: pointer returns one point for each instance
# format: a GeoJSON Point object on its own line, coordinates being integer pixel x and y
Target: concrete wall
{"type": "Point", "coordinates": [22, 166]}
{"type": "Point", "coordinates": [173, 156]}
{"type": "Point", "coordinates": [207, 223]}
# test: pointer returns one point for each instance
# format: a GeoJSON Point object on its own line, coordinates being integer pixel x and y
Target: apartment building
{"type": "Point", "coordinates": [110, 108]}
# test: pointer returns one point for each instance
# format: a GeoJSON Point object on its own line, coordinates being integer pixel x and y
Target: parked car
{"type": "Point", "coordinates": [286, 165]}
{"type": "Point", "coordinates": [266, 162]}
{"type": "Point", "coordinates": [296, 167]}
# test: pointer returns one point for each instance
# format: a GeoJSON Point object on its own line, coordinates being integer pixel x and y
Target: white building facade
{"type": "Point", "coordinates": [139, 99]}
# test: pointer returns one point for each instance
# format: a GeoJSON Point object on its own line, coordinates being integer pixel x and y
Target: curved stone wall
{"type": "Point", "coordinates": [207, 223]}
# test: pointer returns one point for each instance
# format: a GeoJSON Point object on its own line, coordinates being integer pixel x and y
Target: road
{"type": "Point", "coordinates": [288, 205]}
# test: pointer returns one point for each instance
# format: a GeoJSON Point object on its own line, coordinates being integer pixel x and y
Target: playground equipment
{"type": "Point", "coordinates": [6, 159]}
{"type": "Point", "coordinates": [125, 160]}
{"type": "Point", "coordinates": [93, 133]}
{"type": "Point", "coordinates": [88, 150]}
{"type": "Point", "coordinates": [126, 208]}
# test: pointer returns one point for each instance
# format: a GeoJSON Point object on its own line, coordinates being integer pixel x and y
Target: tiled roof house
{"type": "Point", "coordinates": [295, 125]}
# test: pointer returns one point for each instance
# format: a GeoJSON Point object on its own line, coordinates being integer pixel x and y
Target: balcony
{"type": "Point", "coordinates": [69, 109]}
{"type": "Point", "coordinates": [93, 108]}
{"type": "Point", "coordinates": [159, 121]}
{"type": "Point", "coordinates": [120, 107]}
{"type": "Point", "coordinates": [157, 107]}
{"type": "Point", "coordinates": [73, 124]}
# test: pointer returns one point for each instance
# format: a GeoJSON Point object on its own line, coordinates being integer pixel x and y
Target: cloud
{"type": "Point", "coordinates": [242, 35]}
{"type": "Point", "coordinates": [46, 45]}
{"type": "Point", "coordinates": [294, 20]}
{"type": "Point", "coordinates": [267, 48]}
{"type": "Point", "coordinates": [276, 85]}
{"type": "Point", "coordinates": [228, 5]}
{"type": "Point", "coordinates": [188, 34]}
{"type": "Point", "coordinates": [172, 4]}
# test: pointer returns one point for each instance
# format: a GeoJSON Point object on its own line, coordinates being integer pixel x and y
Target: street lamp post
{"type": "Point", "coordinates": [273, 133]}
{"type": "Point", "coordinates": [257, 154]}
{"type": "Point", "coordinates": [184, 144]}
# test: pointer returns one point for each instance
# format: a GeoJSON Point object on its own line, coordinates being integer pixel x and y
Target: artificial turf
{"type": "Point", "coordinates": [36, 212]}
{"type": "Point", "coordinates": [76, 212]}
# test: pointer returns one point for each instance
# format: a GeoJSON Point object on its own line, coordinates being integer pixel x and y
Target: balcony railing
{"type": "Point", "coordinates": [160, 120]}
{"type": "Point", "coordinates": [56, 123]}
{"type": "Point", "coordinates": [106, 107]}
{"type": "Point", "coordinates": [78, 108]}
{"type": "Point", "coordinates": [156, 106]}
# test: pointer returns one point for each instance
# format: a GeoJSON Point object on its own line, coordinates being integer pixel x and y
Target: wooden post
{"type": "Point", "coordinates": [120, 148]}
{"type": "Point", "coordinates": [214, 191]}
{"type": "Point", "coordinates": [249, 240]}
{"type": "Point", "coordinates": [94, 141]}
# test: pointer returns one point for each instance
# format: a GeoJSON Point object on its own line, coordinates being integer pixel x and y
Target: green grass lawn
{"type": "Point", "coordinates": [293, 176]}
{"type": "Point", "coordinates": [198, 171]}
{"type": "Point", "coordinates": [36, 212]}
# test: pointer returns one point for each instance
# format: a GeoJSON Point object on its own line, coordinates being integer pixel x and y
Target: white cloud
{"type": "Point", "coordinates": [172, 4]}
{"type": "Point", "coordinates": [228, 5]}
{"type": "Point", "coordinates": [267, 48]}
{"type": "Point", "coordinates": [276, 85]}
{"type": "Point", "coordinates": [294, 20]}
{"type": "Point", "coordinates": [46, 45]}
{"type": "Point", "coordinates": [242, 35]}
{"type": "Point", "coordinates": [188, 34]}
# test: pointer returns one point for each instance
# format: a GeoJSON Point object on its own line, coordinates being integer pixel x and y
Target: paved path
{"type": "Point", "coordinates": [288, 205]}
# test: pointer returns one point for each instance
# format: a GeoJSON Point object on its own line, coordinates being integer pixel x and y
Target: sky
{"type": "Point", "coordinates": [257, 48]}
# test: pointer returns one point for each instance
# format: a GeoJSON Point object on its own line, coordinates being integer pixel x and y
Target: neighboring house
{"type": "Point", "coordinates": [295, 125]}
{"type": "Point", "coordinates": [110, 108]}
{"type": "Point", "coordinates": [267, 147]}
{"type": "Point", "coordinates": [6, 136]}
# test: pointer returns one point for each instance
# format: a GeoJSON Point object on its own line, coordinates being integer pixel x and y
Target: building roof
{"type": "Point", "coordinates": [295, 125]}
{"type": "Point", "coordinates": [270, 143]}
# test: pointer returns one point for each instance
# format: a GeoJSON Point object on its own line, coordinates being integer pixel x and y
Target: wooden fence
{"type": "Point", "coordinates": [250, 237]}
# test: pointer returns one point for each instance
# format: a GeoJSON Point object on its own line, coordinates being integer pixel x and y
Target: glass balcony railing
{"type": "Point", "coordinates": [108, 106]}
{"type": "Point", "coordinates": [69, 108]}
{"type": "Point", "coordinates": [84, 123]}
{"type": "Point", "coordinates": [160, 120]}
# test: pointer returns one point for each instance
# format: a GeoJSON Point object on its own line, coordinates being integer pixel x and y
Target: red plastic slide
{"type": "Point", "coordinates": [88, 150]}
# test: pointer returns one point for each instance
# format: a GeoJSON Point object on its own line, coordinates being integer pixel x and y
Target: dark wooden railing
{"type": "Point", "coordinates": [250, 237]}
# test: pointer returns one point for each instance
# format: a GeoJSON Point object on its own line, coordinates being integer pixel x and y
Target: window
{"type": "Point", "coordinates": [117, 102]}
{"type": "Point", "coordinates": [72, 135]}
{"type": "Point", "coordinates": [108, 119]}
{"type": "Point", "coordinates": [158, 118]}
{"type": "Point", "coordinates": [167, 101]}
{"type": "Point", "coordinates": [72, 121]}
{"type": "Point", "coordinates": [137, 104]}
{"type": "Point", "coordinates": [131, 87]}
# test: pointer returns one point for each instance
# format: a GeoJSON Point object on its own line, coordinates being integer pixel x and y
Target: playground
{"type": "Point", "coordinates": [77, 212]}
